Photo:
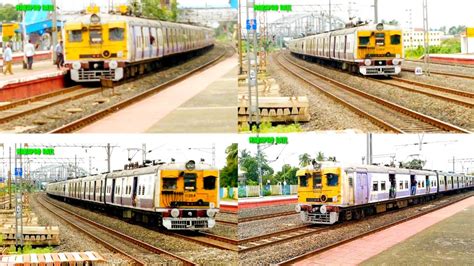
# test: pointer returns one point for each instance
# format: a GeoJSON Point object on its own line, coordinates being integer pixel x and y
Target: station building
{"type": "Point", "coordinates": [467, 41]}
{"type": "Point", "coordinates": [413, 38]}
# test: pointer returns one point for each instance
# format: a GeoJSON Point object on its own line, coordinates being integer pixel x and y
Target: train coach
{"type": "Point", "coordinates": [117, 47]}
{"type": "Point", "coordinates": [178, 196]}
{"type": "Point", "coordinates": [369, 49]}
{"type": "Point", "coordinates": [331, 193]}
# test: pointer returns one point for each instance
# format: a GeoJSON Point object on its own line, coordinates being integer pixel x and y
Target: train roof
{"type": "Point", "coordinates": [107, 18]}
{"type": "Point", "coordinates": [371, 168]}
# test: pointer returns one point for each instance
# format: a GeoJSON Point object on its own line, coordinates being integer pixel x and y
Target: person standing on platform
{"type": "Point", "coordinates": [7, 58]}
{"type": "Point", "coordinates": [59, 54]}
{"type": "Point", "coordinates": [29, 53]}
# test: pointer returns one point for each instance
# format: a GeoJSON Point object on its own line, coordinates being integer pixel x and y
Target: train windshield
{"type": "Point", "coordinates": [75, 35]}
{"type": "Point", "coordinates": [304, 180]}
{"type": "Point", "coordinates": [364, 41]}
{"type": "Point", "coordinates": [395, 39]}
{"type": "Point", "coordinates": [190, 181]}
{"type": "Point", "coordinates": [170, 183]}
{"type": "Point", "coordinates": [333, 179]}
{"type": "Point", "coordinates": [116, 34]}
{"type": "Point", "coordinates": [210, 182]}
{"type": "Point", "coordinates": [317, 180]}
{"type": "Point", "coordinates": [95, 35]}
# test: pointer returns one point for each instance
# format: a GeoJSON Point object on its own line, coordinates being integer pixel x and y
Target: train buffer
{"type": "Point", "coordinates": [276, 109]}
{"type": "Point", "coordinates": [32, 235]}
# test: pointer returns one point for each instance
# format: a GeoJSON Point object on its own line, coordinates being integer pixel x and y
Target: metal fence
{"type": "Point", "coordinates": [268, 190]}
{"type": "Point", "coordinates": [230, 193]}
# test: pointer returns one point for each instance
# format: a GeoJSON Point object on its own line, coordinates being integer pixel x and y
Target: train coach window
{"type": "Point", "coordinates": [375, 186]}
{"type": "Point", "coordinates": [303, 181]}
{"type": "Point", "coordinates": [333, 179]}
{"type": "Point", "coordinates": [364, 41]}
{"type": "Point", "coordinates": [317, 180]}
{"type": "Point", "coordinates": [75, 35]}
{"type": "Point", "coordinates": [95, 36]}
{"type": "Point", "coordinates": [116, 34]}
{"type": "Point", "coordinates": [190, 181]}
{"type": "Point", "coordinates": [382, 186]}
{"type": "Point", "coordinates": [170, 183]}
{"type": "Point", "coordinates": [395, 39]}
{"type": "Point", "coordinates": [209, 182]}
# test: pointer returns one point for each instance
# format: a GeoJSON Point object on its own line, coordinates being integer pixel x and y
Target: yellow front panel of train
{"type": "Point", "coordinates": [379, 44]}
{"type": "Point", "coordinates": [319, 186]}
{"type": "Point", "coordinates": [96, 42]}
{"type": "Point", "coordinates": [189, 189]}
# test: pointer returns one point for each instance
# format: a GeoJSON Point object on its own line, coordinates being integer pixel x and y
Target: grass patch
{"type": "Point", "coordinates": [28, 249]}
{"type": "Point", "coordinates": [266, 127]}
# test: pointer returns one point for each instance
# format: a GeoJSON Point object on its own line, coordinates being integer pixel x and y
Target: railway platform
{"type": "Point", "coordinates": [43, 78]}
{"type": "Point", "coordinates": [429, 239]}
{"type": "Point", "coordinates": [467, 59]}
{"type": "Point", "coordinates": [254, 202]}
{"type": "Point", "coordinates": [204, 102]}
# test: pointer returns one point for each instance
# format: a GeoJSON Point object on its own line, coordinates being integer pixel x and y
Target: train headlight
{"type": "Point", "coordinates": [95, 19]}
{"type": "Point", "coordinates": [113, 64]}
{"type": "Point", "coordinates": [175, 213]}
{"type": "Point", "coordinates": [191, 165]}
{"type": "Point", "coordinates": [323, 209]}
{"type": "Point", "coordinates": [210, 212]}
{"type": "Point", "coordinates": [395, 61]}
{"type": "Point", "coordinates": [368, 62]}
{"type": "Point", "coordinates": [298, 208]}
{"type": "Point", "coordinates": [76, 65]}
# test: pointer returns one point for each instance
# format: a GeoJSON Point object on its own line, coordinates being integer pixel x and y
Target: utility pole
{"type": "Point", "coordinates": [10, 177]}
{"type": "Point", "coordinates": [330, 16]}
{"type": "Point", "coordinates": [109, 154]}
{"type": "Point", "coordinates": [144, 153]}
{"type": "Point", "coordinates": [239, 38]}
{"type": "Point", "coordinates": [252, 71]}
{"type": "Point", "coordinates": [376, 11]}
{"type": "Point", "coordinates": [369, 149]}
{"type": "Point", "coordinates": [427, 37]}
{"type": "Point", "coordinates": [54, 31]}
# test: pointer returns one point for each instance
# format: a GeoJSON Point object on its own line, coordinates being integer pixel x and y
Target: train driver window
{"type": "Point", "coordinates": [75, 35]}
{"type": "Point", "coordinates": [333, 179]}
{"type": "Point", "coordinates": [375, 186]}
{"type": "Point", "coordinates": [116, 34]}
{"type": "Point", "coordinates": [170, 183]}
{"type": "Point", "coordinates": [395, 39]}
{"type": "Point", "coordinates": [364, 41]}
{"type": "Point", "coordinates": [190, 181]}
{"type": "Point", "coordinates": [304, 180]}
{"type": "Point", "coordinates": [210, 182]}
{"type": "Point", "coordinates": [317, 180]}
{"type": "Point", "coordinates": [95, 35]}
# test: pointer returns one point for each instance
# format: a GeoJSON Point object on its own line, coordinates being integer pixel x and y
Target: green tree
{"type": "Point", "coordinates": [151, 9]}
{"type": "Point", "coordinates": [414, 164]}
{"type": "Point", "coordinates": [229, 172]}
{"type": "Point", "coordinates": [305, 159]}
{"type": "Point", "coordinates": [320, 157]}
{"type": "Point", "coordinates": [456, 30]}
{"type": "Point", "coordinates": [393, 22]}
{"type": "Point", "coordinates": [8, 13]}
{"type": "Point", "coordinates": [288, 174]}
{"type": "Point", "coordinates": [249, 164]}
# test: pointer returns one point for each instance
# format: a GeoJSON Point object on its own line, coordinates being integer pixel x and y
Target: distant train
{"type": "Point", "coordinates": [331, 193]}
{"type": "Point", "coordinates": [369, 49]}
{"type": "Point", "coordinates": [117, 47]}
{"type": "Point", "coordinates": [179, 196]}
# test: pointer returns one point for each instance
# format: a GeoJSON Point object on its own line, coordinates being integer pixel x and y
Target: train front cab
{"type": "Point", "coordinates": [188, 198]}
{"type": "Point", "coordinates": [319, 194]}
{"type": "Point", "coordinates": [380, 51]}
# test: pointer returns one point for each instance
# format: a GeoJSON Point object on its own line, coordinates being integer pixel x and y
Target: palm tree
{"type": "Point", "coordinates": [320, 157]}
{"type": "Point", "coordinates": [305, 159]}
{"type": "Point", "coordinates": [232, 153]}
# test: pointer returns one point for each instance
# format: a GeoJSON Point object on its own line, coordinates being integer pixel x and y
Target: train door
{"type": "Point", "coordinates": [393, 184]}
{"type": "Point", "coordinates": [427, 184]}
{"type": "Point", "coordinates": [153, 42]}
{"type": "Point", "coordinates": [160, 44]}
{"type": "Point", "coordinates": [138, 42]}
{"type": "Point", "coordinates": [146, 42]}
{"type": "Point", "coordinates": [112, 193]}
{"type": "Point", "coordinates": [100, 191]}
{"type": "Point", "coordinates": [334, 47]}
{"type": "Point", "coordinates": [362, 188]}
{"type": "Point", "coordinates": [345, 47]}
{"type": "Point", "coordinates": [133, 41]}
{"type": "Point", "coordinates": [95, 184]}
{"type": "Point", "coordinates": [84, 192]}
{"type": "Point", "coordinates": [134, 191]}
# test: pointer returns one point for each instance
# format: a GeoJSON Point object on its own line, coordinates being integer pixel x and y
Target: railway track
{"type": "Point", "coordinates": [38, 103]}
{"type": "Point", "coordinates": [412, 70]}
{"type": "Point", "coordinates": [389, 116]}
{"type": "Point", "coordinates": [439, 63]}
{"type": "Point", "coordinates": [464, 98]}
{"type": "Point", "coordinates": [227, 222]}
{"type": "Point", "coordinates": [116, 241]}
{"type": "Point", "coordinates": [266, 216]}
{"type": "Point", "coordinates": [208, 239]}
{"type": "Point", "coordinates": [85, 121]}
{"type": "Point", "coordinates": [339, 243]}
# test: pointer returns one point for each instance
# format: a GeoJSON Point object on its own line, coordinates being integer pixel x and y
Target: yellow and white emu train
{"type": "Point", "coordinates": [117, 47]}
{"type": "Point", "coordinates": [177, 195]}
{"type": "Point", "coordinates": [369, 49]}
{"type": "Point", "coordinates": [331, 193]}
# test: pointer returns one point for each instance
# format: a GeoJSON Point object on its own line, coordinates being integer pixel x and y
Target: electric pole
{"type": "Point", "coordinates": [54, 31]}
{"type": "Point", "coordinates": [427, 37]}
{"type": "Point", "coordinates": [376, 11]}
{"type": "Point", "coordinates": [330, 16]}
{"type": "Point", "coordinates": [369, 149]}
{"type": "Point", "coordinates": [109, 155]}
{"type": "Point", "coordinates": [239, 38]}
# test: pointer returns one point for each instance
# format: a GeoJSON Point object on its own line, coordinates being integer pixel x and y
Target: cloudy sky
{"type": "Point", "coordinates": [449, 13]}
{"type": "Point", "coordinates": [438, 150]}
{"type": "Point", "coordinates": [182, 147]}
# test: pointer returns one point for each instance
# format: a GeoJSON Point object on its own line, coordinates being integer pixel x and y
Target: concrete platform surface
{"type": "Point", "coordinates": [204, 99]}
{"type": "Point", "coordinates": [41, 69]}
{"type": "Point", "coordinates": [361, 250]}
